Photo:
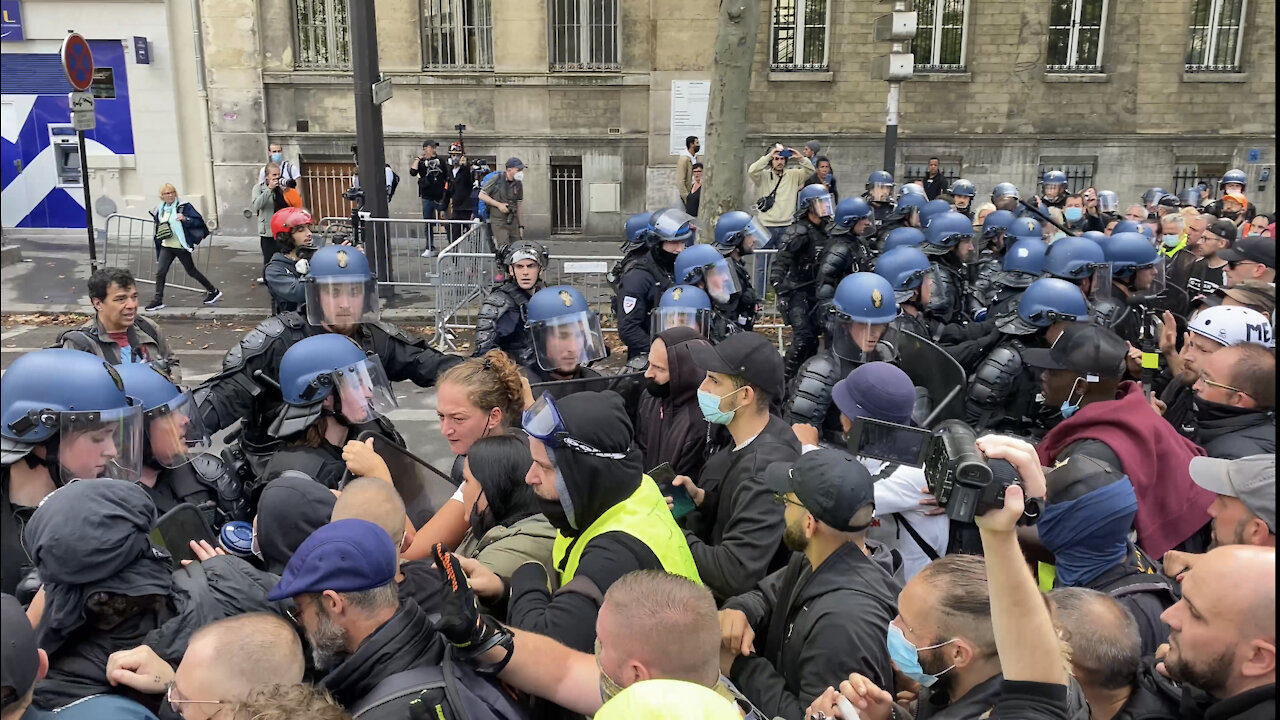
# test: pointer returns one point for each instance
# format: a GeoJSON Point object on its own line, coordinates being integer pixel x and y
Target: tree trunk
{"type": "Point", "coordinates": [725, 164]}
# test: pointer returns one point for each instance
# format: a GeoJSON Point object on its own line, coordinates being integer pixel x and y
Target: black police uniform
{"type": "Point", "coordinates": [949, 299]}
{"type": "Point", "coordinates": [1002, 393]}
{"type": "Point", "coordinates": [794, 277]}
{"type": "Point", "coordinates": [880, 211]}
{"type": "Point", "coordinates": [741, 309]}
{"type": "Point", "coordinates": [643, 277]}
{"type": "Point", "coordinates": [845, 253]}
{"type": "Point", "coordinates": [501, 322]}
{"type": "Point", "coordinates": [206, 483]}
{"type": "Point", "coordinates": [809, 395]}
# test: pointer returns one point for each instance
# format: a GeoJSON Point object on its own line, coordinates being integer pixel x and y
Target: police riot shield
{"type": "Point", "coordinates": [629, 385]}
{"type": "Point", "coordinates": [423, 487]}
{"type": "Point", "coordinates": [940, 381]}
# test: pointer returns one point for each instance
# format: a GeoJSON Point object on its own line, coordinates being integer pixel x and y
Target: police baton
{"type": "Point", "coordinates": [1045, 217]}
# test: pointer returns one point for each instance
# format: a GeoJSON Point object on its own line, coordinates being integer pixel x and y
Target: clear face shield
{"type": "Point", "coordinates": [175, 431]}
{"type": "Point", "coordinates": [1053, 191]}
{"type": "Point", "coordinates": [855, 340]}
{"type": "Point", "coordinates": [563, 343]}
{"type": "Point", "coordinates": [719, 281]}
{"type": "Point", "coordinates": [753, 236]}
{"type": "Point", "coordinates": [1108, 202]}
{"type": "Point", "coordinates": [675, 225]}
{"type": "Point", "coordinates": [663, 319]}
{"type": "Point", "coordinates": [823, 206]}
{"type": "Point", "coordinates": [362, 391]}
{"type": "Point", "coordinates": [105, 444]}
{"type": "Point", "coordinates": [880, 192]}
{"type": "Point", "coordinates": [341, 301]}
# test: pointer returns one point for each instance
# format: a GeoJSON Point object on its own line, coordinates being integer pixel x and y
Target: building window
{"type": "Point", "coordinates": [1075, 35]}
{"type": "Point", "coordinates": [103, 86]}
{"type": "Point", "coordinates": [800, 30]}
{"type": "Point", "coordinates": [324, 35]}
{"type": "Point", "coordinates": [939, 41]}
{"type": "Point", "coordinates": [584, 35]}
{"type": "Point", "coordinates": [566, 196]}
{"type": "Point", "coordinates": [1079, 174]}
{"type": "Point", "coordinates": [457, 34]}
{"type": "Point", "coordinates": [1190, 174]}
{"type": "Point", "coordinates": [1216, 26]}
{"type": "Point", "coordinates": [917, 170]}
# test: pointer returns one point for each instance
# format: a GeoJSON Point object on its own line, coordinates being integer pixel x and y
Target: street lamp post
{"type": "Point", "coordinates": [898, 27]}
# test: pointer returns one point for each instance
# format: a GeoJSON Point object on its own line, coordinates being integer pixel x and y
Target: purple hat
{"type": "Point", "coordinates": [876, 390]}
{"type": "Point", "coordinates": [344, 556]}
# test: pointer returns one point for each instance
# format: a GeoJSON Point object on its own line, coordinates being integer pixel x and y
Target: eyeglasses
{"type": "Point", "coordinates": [1211, 383]}
{"type": "Point", "coordinates": [782, 499]}
{"type": "Point", "coordinates": [175, 704]}
{"type": "Point", "coordinates": [1233, 264]}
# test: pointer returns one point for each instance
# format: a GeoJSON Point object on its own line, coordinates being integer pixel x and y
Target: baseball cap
{"type": "Point", "coordinates": [344, 556]}
{"type": "Point", "coordinates": [430, 143]}
{"type": "Point", "coordinates": [1251, 479]}
{"type": "Point", "coordinates": [1257, 248]}
{"type": "Point", "coordinates": [1090, 349]}
{"type": "Point", "coordinates": [1231, 325]}
{"type": "Point", "coordinates": [877, 390]}
{"type": "Point", "coordinates": [1237, 196]}
{"type": "Point", "coordinates": [515, 162]}
{"type": "Point", "coordinates": [20, 659]}
{"type": "Point", "coordinates": [749, 355]}
{"type": "Point", "coordinates": [1251, 293]}
{"type": "Point", "coordinates": [1224, 229]}
{"type": "Point", "coordinates": [831, 485]}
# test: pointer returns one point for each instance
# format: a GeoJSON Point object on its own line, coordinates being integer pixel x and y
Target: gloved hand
{"type": "Point", "coordinates": [637, 364]}
{"type": "Point", "coordinates": [460, 620]}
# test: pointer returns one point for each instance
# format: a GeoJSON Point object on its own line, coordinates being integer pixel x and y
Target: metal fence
{"type": "Point", "coordinates": [395, 246]}
{"type": "Point", "coordinates": [1079, 175]}
{"type": "Point", "coordinates": [1190, 175]}
{"type": "Point", "coordinates": [130, 244]}
{"type": "Point", "coordinates": [566, 199]}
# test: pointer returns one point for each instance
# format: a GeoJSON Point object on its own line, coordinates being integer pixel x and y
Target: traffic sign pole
{"type": "Point", "coordinates": [88, 208]}
{"type": "Point", "coordinates": [77, 63]}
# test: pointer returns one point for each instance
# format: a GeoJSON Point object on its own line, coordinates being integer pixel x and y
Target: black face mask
{"type": "Point", "coordinates": [659, 391]}
{"type": "Point", "coordinates": [1229, 215]}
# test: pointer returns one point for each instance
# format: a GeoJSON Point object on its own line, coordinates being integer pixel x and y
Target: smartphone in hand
{"type": "Point", "coordinates": [665, 477]}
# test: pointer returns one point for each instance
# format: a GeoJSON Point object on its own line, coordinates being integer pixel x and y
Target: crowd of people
{"type": "Point", "coordinates": [1016, 461]}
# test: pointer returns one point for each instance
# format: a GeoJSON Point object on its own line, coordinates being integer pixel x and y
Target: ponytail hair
{"type": "Point", "coordinates": [491, 381]}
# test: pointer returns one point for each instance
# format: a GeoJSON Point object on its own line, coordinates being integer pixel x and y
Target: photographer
{"type": "Point", "coordinates": [777, 187]}
{"type": "Point", "coordinates": [976, 633]}
{"type": "Point", "coordinates": [504, 193]}
{"type": "Point", "coordinates": [432, 180]}
{"type": "Point", "coordinates": [462, 202]}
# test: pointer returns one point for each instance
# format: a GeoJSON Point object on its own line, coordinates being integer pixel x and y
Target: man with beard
{"type": "Point", "coordinates": [670, 427]}
{"type": "Point", "coordinates": [1209, 331]}
{"type": "Point", "coordinates": [500, 322]}
{"type": "Point", "coordinates": [1222, 635]}
{"type": "Point", "coordinates": [823, 615]}
{"type": "Point", "coordinates": [342, 581]}
{"type": "Point", "coordinates": [1244, 512]}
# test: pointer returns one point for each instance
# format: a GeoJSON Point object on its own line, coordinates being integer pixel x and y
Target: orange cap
{"type": "Point", "coordinates": [1238, 197]}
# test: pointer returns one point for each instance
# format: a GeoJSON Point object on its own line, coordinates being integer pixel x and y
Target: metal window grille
{"type": "Point", "coordinates": [584, 35]}
{"type": "Point", "coordinates": [1187, 175]}
{"type": "Point", "coordinates": [917, 170]}
{"type": "Point", "coordinates": [1216, 29]}
{"type": "Point", "coordinates": [566, 198]}
{"type": "Point", "coordinates": [322, 185]}
{"type": "Point", "coordinates": [801, 29]}
{"type": "Point", "coordinates": [1079, 175]}
{"type": "Point", "coordinates": [324, 35]}
{"type": "Point", "coordinates": [457, 34]}
{"type": "Point", "coordinates": [1075, 35]}
{"type": "Point", "coordinates": [940, 38]}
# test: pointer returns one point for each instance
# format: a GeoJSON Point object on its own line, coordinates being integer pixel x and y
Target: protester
{"type": "Point", "coordinates": [433, 181]}
{"type": "Point", "coordinates": [284, 702]}
{"type": "Point", "coordinates": [1252, 294]}
{"type": "Point", "coordinates": [1179, 258]}
{"type": "Point", "coordinates": [1235, 400]}
{"type": "Point", "coordinates": [283, 273]}
{"type": "Point", "coordinates": [670, 427]}
{"type": "Point", "coordinates": [374, 499]}
{"type": "Point", "coordinates": [1244, 512]}
{"type": "Point", "coordinates": [1250, 259]}
{"type": "Point", "coordinates": [822, 175]}
{"type": "Point", "coordinates": [933, 181]}
{"type": "Point", "coordinates": [776, 186]}
{"type": "Point", "coordinates": [116, 333]}
{"type": "Point", "coordinates": [1209, 272]}
{"type": "Point", "coordinates": [178, 229]}
{"type": "Point", "coordinates": [290, 508]}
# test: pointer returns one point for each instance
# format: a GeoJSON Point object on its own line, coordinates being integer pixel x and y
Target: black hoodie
{"type": "Point", "coordinates": [588, 486]}
{"type": "Point", "coordinates": [1229, 432]}
{"type": "Point", "coordinates": [405, 641]}
{"type": "Point", "coordinates": [672, 429]}
{"type": "Point", "coordinates": [291, 508]}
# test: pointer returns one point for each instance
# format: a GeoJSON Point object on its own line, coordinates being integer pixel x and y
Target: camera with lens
{"type": "Point", "coordinates": [965, 482]}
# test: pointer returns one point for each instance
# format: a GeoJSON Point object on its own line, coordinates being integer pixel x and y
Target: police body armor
{"type": "Point", "coordinates": [798, 257]}
{"type": "Point", "coordinates": [810, 398]}
{"type": "Point", "coordinates": [947, 303]}
{"type": "Point", "coordinates": [505, 302]}
{"type": "Point", "coordinates": [982, 275]}
{"type": "Point", "coordinates": [880, 211]}
{"type": "Point", "coordinates": [742, 310]}
{"type": "Point", "coordinates": [638, 260]}
{"type": "Point", "coordinates": [844, 254]}
{"type": "Point", "coordinates": [994, 400]}
{"type": "Point", "coordinates": [207, 483]}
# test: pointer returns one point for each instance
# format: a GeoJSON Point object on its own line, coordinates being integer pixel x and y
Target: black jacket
{"type": "Point", "coordinates": [1231, 433]}
{"type": "Point", "coordinates": [736, 534]}
{"type": "Point", "coordinates": [432, 177]}
{"type": "Point", "coordinates": [934, 186]}
{"type": "Point", "coordinates": [813, 628]}
{"type": "Point", "coordinates": [405, 641]}
{"type": "Point", "coordinates": [795, 267]}
{"type": "Point", "coordinates": [1152, 696]}
{"type": "Point", "coordinates": [672, 429]}
{"type": "Point", "coordinates": [642, 279]}
{"type": "Point", "coordinates": [1256, 704]}
{"type": "Point", "coordinates": [1141, 586]}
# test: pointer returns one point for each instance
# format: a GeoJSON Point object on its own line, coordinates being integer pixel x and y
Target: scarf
{"type": "Point", "coordinates": [169, 214]}
{"type": "Point", "coordinates": [1089, 535]}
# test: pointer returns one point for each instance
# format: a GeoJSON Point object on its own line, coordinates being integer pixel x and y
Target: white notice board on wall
{"type": "Point", "coordinates": [689, 100]}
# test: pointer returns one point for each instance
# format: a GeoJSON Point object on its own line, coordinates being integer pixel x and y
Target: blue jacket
{"type": "Point", "coordinates": [193, 226]}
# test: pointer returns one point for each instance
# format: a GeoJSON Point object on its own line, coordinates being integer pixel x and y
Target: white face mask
{"type": "Point", "coordinates": [519, 176]}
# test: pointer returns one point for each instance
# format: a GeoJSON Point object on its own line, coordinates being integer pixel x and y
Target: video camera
{"type": "Point", "coordinates": [965, 483]}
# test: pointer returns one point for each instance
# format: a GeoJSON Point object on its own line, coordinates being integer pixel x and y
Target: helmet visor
{"type": "Point", "coordinates": [1108, 202]}
{"type": "Point", "coordinates": [719, 281]}
{"type": "Point", "coordinates": [363, 391]}
{"type": "Point", "coordinates": [563, 343]}
{"type": "Point", "coordinates": [105, 444]}
{"type": "Point", "coordinates": [880, 191]}
{"type": "Point", "coordinates": [754, 233]}
{"type": "Point", "coordinates": [175, 431]}
{"type": "Point", "coordinates": [341, 301]}
{"type": "Point", "coordinates": [823, 206]}
{"type": "Point", "coordinates": [672, 224]}
{"type": "Point", "coordinates": [855, 340]}
{"type": "Point", "coordinates": [699, 319]}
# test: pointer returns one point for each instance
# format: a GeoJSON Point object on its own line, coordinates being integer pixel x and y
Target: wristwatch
{"type": "Point", "coordinates": [1032, 509]}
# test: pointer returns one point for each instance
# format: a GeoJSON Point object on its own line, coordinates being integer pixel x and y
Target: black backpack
{"type": "Point", "coordinates": [450, 690]}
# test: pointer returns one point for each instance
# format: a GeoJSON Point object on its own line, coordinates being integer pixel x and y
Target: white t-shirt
{"type": "Point", "coordinates": [901, 492]}
{"type": "Point", "coordinates": [288, 171]}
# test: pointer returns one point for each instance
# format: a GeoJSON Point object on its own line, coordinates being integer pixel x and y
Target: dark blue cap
{"type": "Point", "coordinates": [344, 556]}
{"type": "Point", "coordinates": [876, 390]}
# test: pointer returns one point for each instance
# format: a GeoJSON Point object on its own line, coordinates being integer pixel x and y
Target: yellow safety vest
{"type": "Point", "coordinates": [645, 517]}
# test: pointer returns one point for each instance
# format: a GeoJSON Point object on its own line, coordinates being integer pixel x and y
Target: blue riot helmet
{"type": "Point", "coordinates": [1125, 226]}
{"type": "Point", "coordinates": [341, 290]}
{"type": "Point", "coordinates": [1145, 230]}
{"type": "Point", "coordinates": [739, 231]}
{"type": "Point", "coordinates": [880, 186]}
{"type": "Point", "coordinates": [330, 371]}
{"type": "Point", "coordinates": [1190, 197]}
{"type": "Point", "coordinates": [1108, 202]}
{"type": "Point", "coordinates": [75, 404]}
{"type": "Point", "coordinates": [850, 210]}
{"type": "Point", "coordinates": [907, 269]}
{"type": "Point", "coordinates": [1096, 236]}
{"type": "Point", "coordinates": [994, 227]}
{"type": "Point", "coordinates": [672, 226]}
{"type": "Point", "coordinates": [682, 305]}
{"type": "Point", "coordinates": [1022, 263]}
{"type": "Point", "coordinates": [1234, 177]}
{"type": "Point", "coordinates": [817, 199]}
{"type": "Point", "coordinates": [962, 194]}
{"type": "Point", "coordinates": [565, 331]}
{"type": "Point", "coordinates": [904, 237]}
{"type": "Point", "coordinates": [945, 232]}
{"type": "Point", "coordinates": [1073, 258]}
{"type": "Point", "coordinates": [704, 265]}
{"type": "Point", "coordinates": [861, 310]}
{"type": "Point", "coordinates": [1045, 302]}
{"type": "Point", "coordinates": [1024, 228]}
{"type": "Point", "coordinates": [1006, 196]}
{"type": "Point", "coordinates": [1055, 179]}
{"type": "Point", "coordinates": [636, 231]}
{"type": "Point", "coordinates": [1152, 196]}
{"type": "Point", "coordinates": [912, 188]}
{"type": "Point", "coordinates": [907, 204]}
{"type": "Point", "coordinates": [1133, 260]}
{"type": "Point", "coordinates": [934, 208]}
{"type": "Point", "coordinates": [173, 430]}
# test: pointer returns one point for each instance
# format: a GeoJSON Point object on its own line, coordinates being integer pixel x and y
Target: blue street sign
{"type": "Point", "coordinates": [1255, 155]}
{"type": "Point", "coordinates": [141, 50]}
{"type": "Point", "coordinates": [11, 21]}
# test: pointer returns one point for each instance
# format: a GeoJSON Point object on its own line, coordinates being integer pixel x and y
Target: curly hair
{"type": "Point", "coordinates": [285, 702]}
{"type": "Point", "coordinates": [491, 381]}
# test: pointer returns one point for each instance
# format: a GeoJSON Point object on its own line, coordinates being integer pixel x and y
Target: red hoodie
{"type": "Point", "coordinates": [1171, 507]}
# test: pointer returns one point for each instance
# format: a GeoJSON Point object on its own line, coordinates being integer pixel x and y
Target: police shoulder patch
{"type": "Point", "coordinates": [628, 304]}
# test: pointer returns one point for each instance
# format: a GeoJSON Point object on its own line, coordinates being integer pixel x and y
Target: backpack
{"type": "Point", "coordinates": [395, 183]}
{"type": "Point", "coordinates": [482, 208]}
{"type": "Point", "coordinates": [449, 690]}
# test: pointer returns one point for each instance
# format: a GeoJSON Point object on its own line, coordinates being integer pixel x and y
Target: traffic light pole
{"type": "Point", "coordinates": [371, 156]}
{"type": "Point", "coordinates": [898, 28]}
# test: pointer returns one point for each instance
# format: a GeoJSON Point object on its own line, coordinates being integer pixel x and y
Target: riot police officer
{"type": "Point", "coordinates": [932, 209]}
{"type": "Point", "coordinates": [949, 240]}
{"type": "Point", "coordinates": [1108, 207]}
{"type": "Point", "coordinates": [794, 274]}
{"type": "Point", "coordinates": [1074, 259]}
{"type": "Point", "coordinates": [64, 415]}
{"type": "Point", "coordinates": [990, 250]}
{"type": "Point", "coordinates": [1022, 263]}
{"type": "Point", "coordinates": [645, 274]}
{"type": "Point", "coordinates": [565, 334]}
{"type": "Point", "coordinates": [861, 311]}
{"type": "Point", "coordinates": [332, 392]}
{"type": "Point", "coordinates": [1053, 190]}
{"type": "Point", "coordinates": [1233, 181]}
{"type": "Point", "coordinates": [907, 212]}
{"type": "Point", "coordinates": [910, 274]}
{"type": "Point", "coordinates": [1134, 269]}
{"type": "Point", "coordinates": [705, 268]}
{"type": "Point", "coordinates": [291, 228]}
{"type": "Point", "coordinates": [341, 297]}
{"type": "Point", "coordinates": [684, 306]}
{"type": "Point", "coordinates": [962, 194]}
{"type": "Point", "coordinates": [903, 237]}
{"type": "Point", "coordinates": [1002, 394]}
{"type": "Point", "coordinates": [500, 324]}
{"type": "Point", "coordinates": [880, 194]}
{"type": "Point", "coordinates": [1006, 196]}
{"type": "Point", "coordinates": [174, 467]}
{"type": "Point", "coordinates": [848, 250]}
{"type": "Point", "coordinates": [738, 235]}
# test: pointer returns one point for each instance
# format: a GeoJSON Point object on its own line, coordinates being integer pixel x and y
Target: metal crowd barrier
{"type": "Point", "coordinates": [130, 244]}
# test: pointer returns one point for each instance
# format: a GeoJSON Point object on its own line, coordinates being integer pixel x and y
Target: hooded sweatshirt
{"type": "Point", "coordinates": [1171, 507]}
{"type": "Point", "coordinates": [291, 508]}
{"type": "Point", "coordinates": [672, 429]}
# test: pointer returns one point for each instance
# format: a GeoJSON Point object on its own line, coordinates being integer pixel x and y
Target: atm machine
{"type": "Point", "coordinates": [66, 154]}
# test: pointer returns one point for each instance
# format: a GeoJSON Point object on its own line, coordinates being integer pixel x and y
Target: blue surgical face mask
{"type": "Point", "coordinates": [1066, 408]}
{"type": "Point", "coordinates": [907, 657]}
{"type": "Point", "coordinates": [1170, 240]}
{"type": "Point", "coordinates": [709, 403]}
{"type": "Point", "coordinates": [1072, 214]}
{"type": "Point", "coordinates": [277, 157]}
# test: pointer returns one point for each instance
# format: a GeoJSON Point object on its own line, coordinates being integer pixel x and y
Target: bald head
{"type": "Point", "coordinates": [1242, 581]}
{"type": "Point", "coordinates": [231, 657]}
{"type": "Point", "coordinates": [375, 501]}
